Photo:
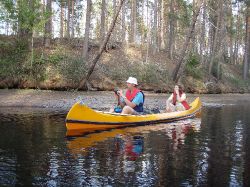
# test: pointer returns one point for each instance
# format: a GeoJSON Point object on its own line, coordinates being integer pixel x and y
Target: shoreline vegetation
{"type": "Point", "coordinates": [61, 67]}
{"type": "Point", "coordinates": [97, 45]}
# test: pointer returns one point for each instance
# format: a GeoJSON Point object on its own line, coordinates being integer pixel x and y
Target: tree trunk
{"type": "Point", "coordinates": [142, 31]}
{"type": "Point", "coordinates": [114, 34]}
{"type": "Point", "coordinates": [171, 30]}
{"type": "Point", "coordinates": [203, 34]}
{"type": "Point", "coordinates": [68, 20]}
{"type": "Point", "coordinates": [61, 20]}
{"type": "Point", "coordinates": [48, 25]}
{"type": "Point", "coordinates": [236, 40]}
{"type": "Point", "coordinates": [84, 81]}
{"type": "Point", "coordinates": [87, 29]}
{"type": "Point", "coordinates": [193, 39]}
{"type": "Point", "coordinates": [177, 73]}
{"type": "Point", "coordinates": [247, 46]}
{"type": "Point", "coordinates": [72, 22]}
{"type": "Point", "coordinates": [102, 26]}
{"type": "Point", "coordinates": [155, 33]}
{"type": "Point", "coordinates": [133, 21]}
{"type": "Point", "coordinates": [162, 26]}
{"type": "Point", "coordinates": [123, 32]}
{"type": "Point", "coordinates": [215, 46]}
{"type": "Point", "coordinates": [230, 23]}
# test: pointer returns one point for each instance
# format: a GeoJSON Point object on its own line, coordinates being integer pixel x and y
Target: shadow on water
{"type": "Point", "coordinates": [211, 151]}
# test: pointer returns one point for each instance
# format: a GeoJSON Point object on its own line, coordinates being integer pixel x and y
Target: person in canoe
{"type": "Point", "coordinates": [132, 102]}
{"type": "Point", "coordinates": [177, 100]}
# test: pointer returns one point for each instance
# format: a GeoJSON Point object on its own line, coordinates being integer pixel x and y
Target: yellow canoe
{"type": "Point", "coordinates": [81, 117]}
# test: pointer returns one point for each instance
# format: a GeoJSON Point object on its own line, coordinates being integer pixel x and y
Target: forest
{"type": "Point", "coordinates": [98, 44]}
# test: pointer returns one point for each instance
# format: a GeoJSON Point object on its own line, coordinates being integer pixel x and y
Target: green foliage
{"type": "Point", "coordinates": [12, 54]}
{"type": "Point", "coordinates": [192, 67]}
{"type": "Point", "coordinates": [237, 82]}
{"type": "Point", "coordinates": [15, 62]}
{"type": "Point", "coordinates": [145, 72]}
{"type": "Point", "coordinates": [153, 73]}
{"type": "Point", "coordinates": [28, 14]}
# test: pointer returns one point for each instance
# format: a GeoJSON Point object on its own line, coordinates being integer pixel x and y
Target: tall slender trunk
{"type": "Point", "coordinates": [236, 41]}
{"type": "Point", "coordinates": [155, 28]}
{"type": "Point", "coordinates": [215, 37]}
{"type": "Point", "coordinates": [171, 30]}
{"type": "Point", "coordinates": [193, 42]}
{"type": "Point", "coordinates": [142, 30]}
{"type": "Point", "coordinates": [102, 26]}
{"type": "Point", "coordinates": [68, 20]}
{"type": "Point", "coordinates": [247, 45]}
{"type": "Point", "coordinates": [123, 24]}
{"type": "Point", "coordinates": [114, 34]}
{"type": "Point", "coordinates": [230, 23]}
{"type": "Point", "coordinates": [203, 34]}
{"type": "Point", "coordinates": [72, 22]}
{"type": "Point", "coordinates": [133, 21]}
{"type": "Point", "coordinates": [87, 29]}
{"type": "Point", "coordinates": [48, 25]}
{"type": "Point", "coordinates": [162, 26]}
{"type": "Point", "coordinates": [61, 19]}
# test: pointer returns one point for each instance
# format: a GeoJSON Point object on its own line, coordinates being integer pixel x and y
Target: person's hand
{"type": "Point", "coordinates": [120, 93]}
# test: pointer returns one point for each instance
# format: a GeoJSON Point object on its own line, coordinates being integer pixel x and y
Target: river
{"type": "Point", "coordinates": [213, 150]}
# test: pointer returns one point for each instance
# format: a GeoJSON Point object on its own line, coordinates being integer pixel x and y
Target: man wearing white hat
{"type": "Point", "coordinates": [133, 100]}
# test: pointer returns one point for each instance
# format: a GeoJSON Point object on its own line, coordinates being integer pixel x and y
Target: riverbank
{"type": "Point", "coordinates": [101, 100]}
{"type": "Point", "coordinates": [62, 67]}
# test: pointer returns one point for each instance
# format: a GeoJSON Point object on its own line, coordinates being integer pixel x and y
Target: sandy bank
{"type": "Point", "coordinates": [63, 100]}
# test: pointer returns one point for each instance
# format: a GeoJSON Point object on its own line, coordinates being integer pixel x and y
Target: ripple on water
{"type": "Point", "coordinates": [7, 168]}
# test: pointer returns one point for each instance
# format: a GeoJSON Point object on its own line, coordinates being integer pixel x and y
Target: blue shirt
{"type": "Point", "coordinates": [137, 100]}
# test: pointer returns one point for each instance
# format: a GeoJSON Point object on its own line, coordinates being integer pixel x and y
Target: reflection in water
{"type": "Point", "coordinates": [211, 151]}
{"type": "Point", "coordinates": [176, 131]}
{"type": "Point", "coordinates": [141, 151]}
{"type": "Point", "coordinates": [53, 168]}
{"type": "Point", "coordinates": [132, 146]}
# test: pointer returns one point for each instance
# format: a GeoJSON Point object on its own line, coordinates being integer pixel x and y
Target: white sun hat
{"type": "Point", "coordinates": [132, 80]}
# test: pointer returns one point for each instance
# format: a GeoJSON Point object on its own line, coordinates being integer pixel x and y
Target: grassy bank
{"type": "Point", "coordinates": [61, 67]}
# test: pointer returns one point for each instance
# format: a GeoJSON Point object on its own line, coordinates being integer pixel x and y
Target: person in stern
{"type": "Point", "coordinates": [177, 100]}
{"type": "Point", "coordinates": [132, 102]}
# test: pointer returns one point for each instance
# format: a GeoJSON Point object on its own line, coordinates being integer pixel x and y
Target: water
{"type": "Point", "coordinates": [211, 151]}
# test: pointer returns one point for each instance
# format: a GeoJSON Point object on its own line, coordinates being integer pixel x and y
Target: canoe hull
{"type": "Point", "coordinates": [80, 117]}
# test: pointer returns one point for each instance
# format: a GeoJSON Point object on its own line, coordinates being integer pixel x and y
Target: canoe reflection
{"type": "Point", "coordinates": [132, 146]}
{"type": "Point", "coordinates": [130, 140]}
{"type": "Point", "coordinates": [179, 133]}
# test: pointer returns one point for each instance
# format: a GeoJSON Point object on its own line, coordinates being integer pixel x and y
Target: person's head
{"type": "Point", "coordinates": [178, 87]}
{"type": "Point", "coordinates": [131, 82]}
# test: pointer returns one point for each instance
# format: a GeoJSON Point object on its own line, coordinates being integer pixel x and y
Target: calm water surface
{"type": "Point", "coordinates": [211, 151]}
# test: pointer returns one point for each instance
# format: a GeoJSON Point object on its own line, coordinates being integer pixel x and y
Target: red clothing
{"type": "Point", "coordinates": [184, 103]}
{"type": "Point", "coordinates": [130, 96]}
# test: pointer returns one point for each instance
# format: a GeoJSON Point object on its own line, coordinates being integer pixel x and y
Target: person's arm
{"type": "Point", "coordinates": [121, 102]}
{"type": "Point", "coordinates": [182, 98]}
{"type": "Point", "coordinates": [126, 101]}
{"type": "Point", "coordinates": [170, 98]}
